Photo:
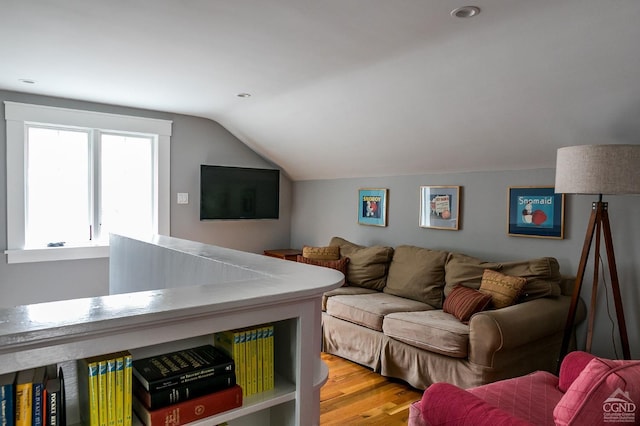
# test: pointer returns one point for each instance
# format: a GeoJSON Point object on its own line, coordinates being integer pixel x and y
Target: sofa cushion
{"type": "Point", "coordinates": [531, 397]}
{"type": "Point", "coordinates": [602, 392]}
{"type": "Point", "coordinates": [433, 330]}
{"type": "Point", "coordinates": [418, 274]}
{"type": "Point", "coordinates": [321, 253]}
{"type": "Point", "coordinates": [369, 310]}
{"type": "Point", "coordinates": [340, 265]}
{"type": "Point", "coordinates": [503, 289]}
{"type": "Point", "coordinates": [467, 270]}
{"type": "Point", "coordinates": [344, 290]}
{"type": "Point", "coordinates": [463, 302]}
{"type": "Point", "coordinates": [542, 274]}
{"type": "Point", "coordinates": [368, 266]}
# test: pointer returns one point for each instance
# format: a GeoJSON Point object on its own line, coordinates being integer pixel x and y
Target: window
{"type": "Point", "coordinates": [75, 176]}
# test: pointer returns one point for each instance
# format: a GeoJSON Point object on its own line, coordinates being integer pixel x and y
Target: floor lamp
{"type": "Point", "coordinates": [597, 169]}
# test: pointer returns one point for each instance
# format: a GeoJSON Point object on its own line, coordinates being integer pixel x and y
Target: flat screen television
{"type": "Point", "coordinates": [239, 193]}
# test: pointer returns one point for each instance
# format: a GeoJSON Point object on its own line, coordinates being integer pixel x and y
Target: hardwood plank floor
{"type": "Point", "coordinates": [355, 395]}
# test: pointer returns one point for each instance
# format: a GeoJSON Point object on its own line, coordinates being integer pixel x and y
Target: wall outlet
{"type": "Point", "coordinates": [183, 198]}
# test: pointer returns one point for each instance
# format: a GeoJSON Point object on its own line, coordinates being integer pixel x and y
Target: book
{"type": "Point", "coordinates": [233, 343]}
{"type": "Point", "coordinates": [251, 360]}
{"type": "Point", "coordinates": [88, 391]}
{"type": "Point", "coordinates": [190, 410]}
{"type": "Point", "coordinates": [128, 388]}
{"type": "Point", "coordinates": [54, 400]}
{"type": "Point", "coordinates": [268, 369]}
{"type": "Point", "coordinates": [37, 405]}
{"type": "Point", "coordinates": [7, 388]}
{"type": "Point", "coordinates": [179, 367]}
{"type": "Point", "coordinates": [102, 392]}
{"type": "Point", "coordinates": [179, 393]}
{"type": "Point", "coordinates": [111, 391]}
{"type": "Point", "coordinates": [119, 390]}
{"type": "Point", "coordinates": [260, 358]}
{"type": "Point", "coordinates": [24, 397]}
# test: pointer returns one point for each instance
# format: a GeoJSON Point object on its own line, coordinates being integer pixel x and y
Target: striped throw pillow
{"type": "Point", "coordinates": [463, 302]}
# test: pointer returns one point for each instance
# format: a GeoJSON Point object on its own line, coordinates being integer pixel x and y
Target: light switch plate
{"type": "Point", "coordinates": [183, 198]}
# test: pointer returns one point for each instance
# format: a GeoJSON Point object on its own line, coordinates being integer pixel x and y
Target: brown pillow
{"type": "Point", "coordinates": [461, 268]}
{"type": "Point", "coordinates": [463, 302]}
{"type": "Point", "coordinates": [417, 273]}
{"type": "Point", "coordinates": [367, 265]}
{"type": "Point", "coordinates": [339, 265]}
{"type": "Point", "coordinates": [504, 289]}
{"type": "Point", "coordinates": [321, 253]}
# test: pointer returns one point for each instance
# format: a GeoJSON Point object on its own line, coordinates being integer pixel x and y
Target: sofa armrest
{"type": "Point", "coordinates": [448, 405]}
{"type": "Point", "coordinates": [515, 326]}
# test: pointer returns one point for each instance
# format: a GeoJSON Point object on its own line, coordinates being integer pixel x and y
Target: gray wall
{"type": "Point", "coordinates": [322, 209]}
{"type": "Point", "coordinates": [195, 141]}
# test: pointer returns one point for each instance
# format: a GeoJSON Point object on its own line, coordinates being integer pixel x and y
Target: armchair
{"type": "Point", "coordinates": [588, 391]}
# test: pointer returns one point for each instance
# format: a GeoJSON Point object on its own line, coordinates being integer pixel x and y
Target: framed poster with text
{"type": "Point", "coordinates": [535, 211]}
{"type": "Point", "coordinates": [372, 206]}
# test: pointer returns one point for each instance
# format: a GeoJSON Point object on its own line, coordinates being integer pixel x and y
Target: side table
{"type": "Point", "coordinates": [286, 254]}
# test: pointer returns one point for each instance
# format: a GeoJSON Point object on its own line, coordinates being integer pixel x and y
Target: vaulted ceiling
{"type": "Point", "coordinates": [345, 88]}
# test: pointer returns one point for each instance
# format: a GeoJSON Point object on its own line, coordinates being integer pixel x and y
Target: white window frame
{"type": "Point", "coordinates": [17, 115]}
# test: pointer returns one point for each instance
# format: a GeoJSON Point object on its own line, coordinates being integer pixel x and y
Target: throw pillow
{"type": "Point", "coordinates": [463, 302]}
{"type": "Point", "coordinates": [602, 393]}
{"type": "Point", "coordinates": [504, 289]}
{"type": "Point", "coordinates": [321, 253]}
{"type": "Point", "coordinates": [367, 265]}
{"type": "Point", "coordinates": [417, 273]}
{"type": "Point", "coordinates": [339, 265]}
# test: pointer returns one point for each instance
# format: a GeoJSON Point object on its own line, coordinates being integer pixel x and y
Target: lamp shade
{"type": "Point", "coordinates": [598, 169]}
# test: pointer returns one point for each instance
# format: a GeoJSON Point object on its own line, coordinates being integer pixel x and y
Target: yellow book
{"type": "Point", "coordinates": [252, 360]}
{"type": "Point", "coordinates": [119, 393]}
{"type": "Point", "coordinates": [102, 392]}
{"type": "Point", "coordinates": [111, 392]}
{"type": "Point", "coordinates": [24, 397]}
{"type": "Point", "coordinates": [128, 388]}
{"type": "Point", "coordinates": [259, 358]}
{"type": "Point", "coordinates": [232, 342]}
{"type": "Point", "coordinates": [270, 358]}
{"type": "Point", "coordinates": [88, 391]}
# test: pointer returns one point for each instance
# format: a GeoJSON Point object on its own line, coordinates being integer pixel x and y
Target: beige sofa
{"type": "Point", "coordinates": [389, 316]}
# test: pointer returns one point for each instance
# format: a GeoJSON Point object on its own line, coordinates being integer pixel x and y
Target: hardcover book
{"type": "Point", "coordinates": [54, 401]}
{"type": "Point", "coordinates": [180, 367]}
{"type": "Point", "coordinates": [184, 392]}
{"type": "Point", "coordinates": [6, 399]}
{"type": "Point", "coordinates": [191, 410]}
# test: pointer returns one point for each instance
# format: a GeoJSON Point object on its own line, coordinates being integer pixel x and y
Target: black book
{"type": "Point", "coordinates": [55, 404]}
{"type": "Point", "coordinates": [168, 370]}
{"type": "Point", "coordinates": [172, 395]}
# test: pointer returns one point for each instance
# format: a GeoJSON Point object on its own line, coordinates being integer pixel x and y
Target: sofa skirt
{"type": "Point", "coordinates": [351, 341]}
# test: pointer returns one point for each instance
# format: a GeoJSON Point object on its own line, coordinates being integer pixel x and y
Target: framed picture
{"type": "Point", "coordinates": [372, 206]}
{"type": "Point", "coordinates": [535, 211]}
{"type": "Point", "coordinates": [440, 207]}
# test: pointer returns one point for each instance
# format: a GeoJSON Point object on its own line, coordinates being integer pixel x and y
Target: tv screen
{"type": "Point", "coordinates": [239, 193]}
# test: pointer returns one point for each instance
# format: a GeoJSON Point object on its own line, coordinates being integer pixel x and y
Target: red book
{"type": "Point", "coordinates": [190, 410]}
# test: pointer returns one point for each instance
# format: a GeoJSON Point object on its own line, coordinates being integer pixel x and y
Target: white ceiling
{"type": "Point", "coordinates": [346, 88]}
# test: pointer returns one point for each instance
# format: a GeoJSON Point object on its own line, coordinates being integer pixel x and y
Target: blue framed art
{"type": "Point", "coordinates": [372, 206]}
{"type": "Point", "coordinates": [535, 211]}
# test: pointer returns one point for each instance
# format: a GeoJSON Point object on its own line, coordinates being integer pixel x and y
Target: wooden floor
{"type": "Point", "coordinates": [354, 395]}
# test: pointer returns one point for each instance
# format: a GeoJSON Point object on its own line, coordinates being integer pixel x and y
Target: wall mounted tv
{"type": "Point", "coordinates": [239, 193]}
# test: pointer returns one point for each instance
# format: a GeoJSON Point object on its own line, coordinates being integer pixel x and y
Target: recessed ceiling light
{"type": "Point", "coordinates": [244, 95]}
{"type": "Point", "coordinates": [27, 81]}
{"type": "Point", "coordinates": [465, 12]}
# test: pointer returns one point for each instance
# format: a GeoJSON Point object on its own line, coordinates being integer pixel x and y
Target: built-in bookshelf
{"type": "Point", "coordinates": [170, 294]}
